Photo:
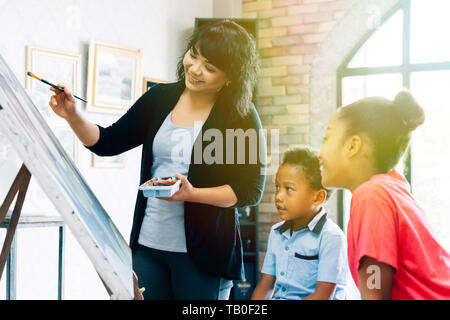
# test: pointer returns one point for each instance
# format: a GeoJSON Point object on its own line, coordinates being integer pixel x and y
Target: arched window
{"type": "Point", "coordinates": [409, 48]}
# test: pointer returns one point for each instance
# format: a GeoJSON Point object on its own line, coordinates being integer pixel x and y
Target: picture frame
{"type": "Point", "coordinates": [148, 82]}
{"type": "Point", "coordinates": [114, 77]}
{"type": "Point", "coordinates": [56, 67]}
{"type": "Point", "coordinates": [117, 161]}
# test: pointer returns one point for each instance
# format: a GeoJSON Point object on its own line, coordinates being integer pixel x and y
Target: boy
{"type": "Point", "coordinates": [306, 253]}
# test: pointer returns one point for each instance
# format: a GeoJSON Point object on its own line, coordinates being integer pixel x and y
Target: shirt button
{"type": "Point", "coordinates": [282, 273]}
{"type": "Point", "coordinates": [283, 289]}
{"type": "Point", "coordinates": [286, 248]}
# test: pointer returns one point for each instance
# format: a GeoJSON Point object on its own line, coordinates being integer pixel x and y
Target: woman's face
{"type": "Point", "coordinates": [334, 164]}
{"type": "Point", "coordinates": [202, 76]}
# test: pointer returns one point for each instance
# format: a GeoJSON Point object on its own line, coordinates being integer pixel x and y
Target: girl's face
{"type": "Point", "coordinates": [335, 165]}
{"type": "Point", "coordinates": [202, 76]}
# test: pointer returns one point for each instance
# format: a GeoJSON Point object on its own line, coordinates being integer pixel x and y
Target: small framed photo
{"type": "Point", "coordinates": [114, 78]}
{"type": "Point", "coordinates": [56, 67]}
{"type": "Point", "coordinates": [108, 162]}
{"type": "Point", "coordinates": [150, 82]}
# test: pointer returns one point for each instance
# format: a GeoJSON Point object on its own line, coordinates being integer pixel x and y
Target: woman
{"type": "Point", "coordinates": [189, 246]}
{"type": "Point", "coordinates": [392, 251]}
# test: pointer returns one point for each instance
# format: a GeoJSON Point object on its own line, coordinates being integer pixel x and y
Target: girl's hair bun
{"type": "Point", "coordinates": [408, 110]}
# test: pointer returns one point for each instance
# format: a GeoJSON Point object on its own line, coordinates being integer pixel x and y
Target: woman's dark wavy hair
{"type": "Point", "coordinates": [388, 124]}
{"type": "Point", "coordinates": [230, 48]}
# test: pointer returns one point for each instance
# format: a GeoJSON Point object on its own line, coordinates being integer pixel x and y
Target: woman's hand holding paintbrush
{"type": "Point", "coordinates": [62, 102]}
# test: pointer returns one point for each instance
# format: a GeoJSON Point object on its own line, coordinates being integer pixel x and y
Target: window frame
{"type": "Point", "coordinates": [405, 69]}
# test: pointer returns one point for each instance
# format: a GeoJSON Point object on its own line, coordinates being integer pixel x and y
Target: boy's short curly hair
{"type": "Point", "coordinates": [306, 158]}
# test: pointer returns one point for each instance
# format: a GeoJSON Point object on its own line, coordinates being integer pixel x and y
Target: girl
{"type": "Point", "coordinates": [188, 246]}
{"type": "Point", "coordinates": [392, 251]}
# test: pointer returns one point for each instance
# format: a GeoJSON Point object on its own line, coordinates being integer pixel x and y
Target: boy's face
{"type": "Point", "coordinates": [294, 197]}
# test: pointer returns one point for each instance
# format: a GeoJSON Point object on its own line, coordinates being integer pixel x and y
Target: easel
{"type": "Point", "coordinates": [20, 186]}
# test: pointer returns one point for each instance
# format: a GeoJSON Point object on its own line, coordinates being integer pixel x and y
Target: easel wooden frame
{"type": "Point", "coordinates": [20, 187]}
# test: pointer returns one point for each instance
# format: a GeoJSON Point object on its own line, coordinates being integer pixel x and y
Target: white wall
{"type": "Point", "coordinates": [159, 28]}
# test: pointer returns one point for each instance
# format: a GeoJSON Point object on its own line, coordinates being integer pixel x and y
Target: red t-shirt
{"type": "Point", "coordinates": [387, 224]}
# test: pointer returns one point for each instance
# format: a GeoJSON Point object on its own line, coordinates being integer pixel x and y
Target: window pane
{"type": "Point", "coordinates": [431, 152]}
{"type": "Point", "coordinates": [358, 87]}
{"type": "Point", "coordinates": [429, 31]}
{"type": "Point", "coordinates": [384, 47]}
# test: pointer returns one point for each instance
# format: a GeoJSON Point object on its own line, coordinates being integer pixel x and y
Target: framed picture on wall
{"type": "Point", "coordinates": [114, 77]}
{"type": "Point", "coordinates": [54, 66]}
{"type": "Point", "coordinates": [108, 162]}
{"type": "Point", "coordinates": [150, 82]}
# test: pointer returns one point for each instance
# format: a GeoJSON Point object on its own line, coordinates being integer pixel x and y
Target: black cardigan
{"type": "Point", "coordinates": [213, 237]}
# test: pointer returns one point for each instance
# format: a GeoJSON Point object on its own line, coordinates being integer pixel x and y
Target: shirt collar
{"type": "Point", "coordinates": [315, 225]}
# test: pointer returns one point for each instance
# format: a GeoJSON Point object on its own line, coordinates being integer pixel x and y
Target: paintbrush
{"type": "Point", "coordinates": [52, 85]}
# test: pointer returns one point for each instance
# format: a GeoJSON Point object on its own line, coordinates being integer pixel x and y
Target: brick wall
{"type": "Point", "coordinates": [290, 33]}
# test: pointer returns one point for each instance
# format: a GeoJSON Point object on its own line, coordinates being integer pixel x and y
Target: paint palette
{"type": "Point", "coordinates": [160, 187]}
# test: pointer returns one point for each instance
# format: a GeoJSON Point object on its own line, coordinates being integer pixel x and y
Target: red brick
{"type": "Point", "coordinates": [272, 52]}
{"type": "Point", "coordinates": [265, 101]}
{"type": "Point", "coordinates": [264, 43]}
{"type": "Point", "coordinates": [287, 100]}
{"type": "Point", "coordinates": [300, 9]}
{"type": "Point", "coordinates": [289, 80]}
{"type": "Point", "coordinates": [264, 23]}
{"type": "Point", "coordinates": [303, 28]}
{"type": "Point", "coordinates": [287, 60]}
{"type": "Point", "coordinates": [264, 62]}
{"type": "Point", "coordinates": [283, 3]}
{"type": "Point", "coordinates": [257, 5]}
{"type": "Point", "coordinates": [286, 21]}
{"type": "Point", "coordinates": [272, 32]}
{"type": "Point", "coordinates": [272, 110]}
{"type": "Point", "coordinates": [287, 41]}
{"type": "Point", "coordinates": [293, 89]}
{"type": "Point", "coordinates": [303, 49]}
{"type": "Point", "coordinates": [297, 109]}
{"type": "Point", "coordinates": [279, 12]}
{"type": "Point", "coordinates": [273, 72]}
{"type": "Point", "coordinates": [250, 15]}
{"type": "Point", "coordinates": [271, 91]}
